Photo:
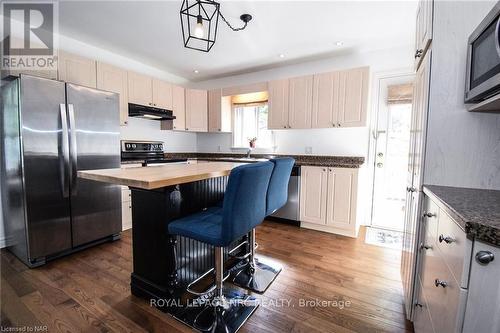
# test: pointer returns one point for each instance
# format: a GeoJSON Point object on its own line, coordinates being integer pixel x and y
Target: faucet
{"type": "Point", "coordinates": [249, 151]}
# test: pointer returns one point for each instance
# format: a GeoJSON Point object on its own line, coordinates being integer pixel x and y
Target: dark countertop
{"type": "Point", "coordinates": [302, 160]}
{"type": "Point", "coordinates": [477, 211]}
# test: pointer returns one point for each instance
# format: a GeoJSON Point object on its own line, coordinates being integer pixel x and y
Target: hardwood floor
{"type": "Point", "coordinates": [89, 291]}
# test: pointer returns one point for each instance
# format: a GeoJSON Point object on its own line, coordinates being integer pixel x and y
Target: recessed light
{"type": "Point", "coordinates": [196, 71]}
{"type": "Point", "coordinates": [281, 55]}
{"type": "Point", "coordinates": [339, 43]}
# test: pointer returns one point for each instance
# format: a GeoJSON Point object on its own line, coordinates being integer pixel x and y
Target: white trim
{"type": "Point", "coordinates": [374, 110]}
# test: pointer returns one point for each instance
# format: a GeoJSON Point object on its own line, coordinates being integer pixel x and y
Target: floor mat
{"type": "Point", "coordinates": [384, 238]}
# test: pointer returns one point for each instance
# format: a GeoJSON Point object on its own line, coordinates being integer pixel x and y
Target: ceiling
{"type": "Point", "coordinates": [150, 32]}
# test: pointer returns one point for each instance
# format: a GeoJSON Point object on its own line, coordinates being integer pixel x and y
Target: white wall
{"type": "Point", "coordinates": [463, 148]}
{"type": "Point", "coordinates": [144, 129]}
{"type": "Point", "coordinates": [334, 141]}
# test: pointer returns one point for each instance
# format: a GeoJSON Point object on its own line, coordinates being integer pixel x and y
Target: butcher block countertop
{"type": "Point", "coordinates": [160, 176]}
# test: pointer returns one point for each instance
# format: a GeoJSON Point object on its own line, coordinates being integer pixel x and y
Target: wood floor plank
{"type": "Point", "coordinates": [90, 291]}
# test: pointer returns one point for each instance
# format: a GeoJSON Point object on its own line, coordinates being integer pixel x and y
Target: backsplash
{"type": "Point", "coordinates": [335, 141]}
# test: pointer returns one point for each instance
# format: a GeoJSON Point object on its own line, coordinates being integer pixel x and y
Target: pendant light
{"type": "Point", "coordinates": [199, 22]}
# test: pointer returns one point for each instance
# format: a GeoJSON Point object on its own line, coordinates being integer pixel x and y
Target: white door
{"type": "Point", "coordinates": [392, 140]}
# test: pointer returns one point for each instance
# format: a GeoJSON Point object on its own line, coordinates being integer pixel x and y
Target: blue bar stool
{"type": "Point", "coordinates": [244, 207]}
{"type": "Point", "coordinates": [257, 276]}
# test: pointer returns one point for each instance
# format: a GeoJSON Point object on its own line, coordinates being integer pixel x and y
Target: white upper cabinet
{"type": "Point", "coordinates": [325, 100]}
{"type": "Point", "coordinates": [353, 97]}
{"type": "Point", "coordinates": [78, 70]}
{"type": "Point", "coordinates": [196, 110]}
{"type": "Point", "coordinates": [300, 102]}
{"type": "Point", "coordinates": [423, 31]}
{"type": "Point", "coordinates": [278, 104]}
{"type": "Point", "coordinates": [140, 89]}
{"type": "Point", "coordinates": [219, 112]}
{"type": "Point", "coordinates": [114, 79]}
{"type": "Point", "coordinates": [162, 94]}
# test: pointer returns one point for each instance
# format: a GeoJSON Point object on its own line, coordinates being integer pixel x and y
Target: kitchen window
{"type": "Point", "coordinates": [250, 121]}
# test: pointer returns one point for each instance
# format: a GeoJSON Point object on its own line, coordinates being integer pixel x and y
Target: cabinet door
{"type": "Point", "coordinates": [325, 100]}
{"type": "Point", "coordinates": [278, 104]}
{"type": "Point", "coordinates": [219, 112]}
{"type": "Point", "coordinates": [111, 78]}
{"type": "Point", "coordinates": [423, 31]}
{"type": "Point", "coordinates": [483, 303]}
{"type": "Point", "coordinates": [300, 102]}
{"type": "Point", "coordinates": [179, 108]}
{"type": "Point", "coordinates": [313, 186]}
{"type": "Point", "coordinates": [77, 70]}
{"type": "Point", "coordinates": [196, 110]}
{"type": "Point", "coordinates": [162, 94]}
{"type": "Point", "coordinates": [422, 322]}
{"type": "Point", "coordinates": [140, 89]}
{"type": "Point", "coordinates": [419, 121]}
{"type": "Point", "coordinates": [353, 101]}
{"type": "Point", "coordinates": [341, 198]}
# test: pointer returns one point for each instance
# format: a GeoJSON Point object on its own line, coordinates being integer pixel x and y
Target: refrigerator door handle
{"type": "Point", "coordinates": [65, 166]}
{"type": "Point", "coordinates": [73, 150]}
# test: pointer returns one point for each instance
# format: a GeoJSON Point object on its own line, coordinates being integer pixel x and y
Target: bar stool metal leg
{"type": "Point", "coordinates": [226, 311]}
{"type": "Point", "coordinates": [256, 276]}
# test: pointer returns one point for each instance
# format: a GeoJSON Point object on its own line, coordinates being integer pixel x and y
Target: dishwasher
{"type": "Point", "coordinates": [290, 211]}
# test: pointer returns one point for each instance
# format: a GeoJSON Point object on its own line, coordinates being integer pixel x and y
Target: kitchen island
{"type": "Point", "coordinates": [164, 264]}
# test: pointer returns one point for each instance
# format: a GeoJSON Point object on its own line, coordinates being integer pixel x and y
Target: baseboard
{"type": "Point", "coordinates": [319, 227]}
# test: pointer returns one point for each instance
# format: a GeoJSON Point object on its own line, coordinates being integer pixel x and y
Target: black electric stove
{"type": "Point", "coordinates": [145, 152]}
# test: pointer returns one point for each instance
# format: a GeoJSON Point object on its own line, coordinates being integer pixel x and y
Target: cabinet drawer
{"type": "Point", "coordinates": [126, 215]}
{"type": "Point", "coordinates": [451, 241]}
{"type": "Point", "coordinates": [443, 302]}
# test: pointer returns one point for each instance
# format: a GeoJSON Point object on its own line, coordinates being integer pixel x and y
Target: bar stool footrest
{"type": "Point", "coordinates": [261, 278]}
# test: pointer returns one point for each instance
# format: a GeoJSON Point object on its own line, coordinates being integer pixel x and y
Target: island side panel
{"type": "Point", "coordinates": [155, 258]}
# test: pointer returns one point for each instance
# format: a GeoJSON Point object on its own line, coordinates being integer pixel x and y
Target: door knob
{"type": "Point", "coordinates": [426, 214]}
{"type": "Point", "coordinates": [380, 154]}
{"type": "Point", "coordinates": [379, 165]}
{"type": "Point", "coordinates": [484, 257]}
{"type": "Point", "coordinates": [419, 53]}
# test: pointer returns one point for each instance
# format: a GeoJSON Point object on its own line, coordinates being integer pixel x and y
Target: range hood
{"type": "Point", "coordinates": [149, 112]}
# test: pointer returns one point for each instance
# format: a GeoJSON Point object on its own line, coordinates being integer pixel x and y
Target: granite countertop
{"type": "Point", "coordinates": [302, 160]}
{"type": "Point", "coordinates": [477, 211]}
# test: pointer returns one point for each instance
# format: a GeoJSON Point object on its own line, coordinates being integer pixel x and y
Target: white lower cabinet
{"type": "Point", "coordinates": [328, 199]}
{"type": "Point", "coordinates": [482, 313]}
{"type": "Point", "coordinates": [443, 292]}
{"type": "Point", "coordinates": [126, 208]}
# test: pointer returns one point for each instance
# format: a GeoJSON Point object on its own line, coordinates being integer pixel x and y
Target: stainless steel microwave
{"type": "Point", "coordinates": [483, 59]}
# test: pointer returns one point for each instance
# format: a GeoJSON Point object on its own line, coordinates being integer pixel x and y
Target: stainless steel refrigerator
{"type": "Point", "coordinates": [51, 130]}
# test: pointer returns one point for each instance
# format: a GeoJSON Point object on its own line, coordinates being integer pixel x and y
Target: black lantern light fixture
{"type": "Point", "coordinates": [200, 20]}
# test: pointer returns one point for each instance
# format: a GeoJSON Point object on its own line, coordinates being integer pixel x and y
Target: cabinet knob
{"type": "Point", "coordinates": [174, 127]}
{"type": "Point", "coordinates": [154, 104]}
{"type": "Point", "coordinates": [426, 214]}
{"type": "Point", "coordinates": [484, 257]}
{"type": "Point", "coordinates": [446, 239]}
{"type": "Point", "coordinates": [187, 129]}
{"type": "Point", "coordinates": [219, 129]}
{"type": "Point", "coordinates": [418, 305]}
{"type": "Point", "coordinates": [425, 247]}
{"type": "Point", "coordinates": [338, 124]}
{"type": "Point", "coordinates": [324, 169]}
{"type": "Point", "coordinates": [440, 283]}
{"type": "Point", "coordinates": [284, 126]}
